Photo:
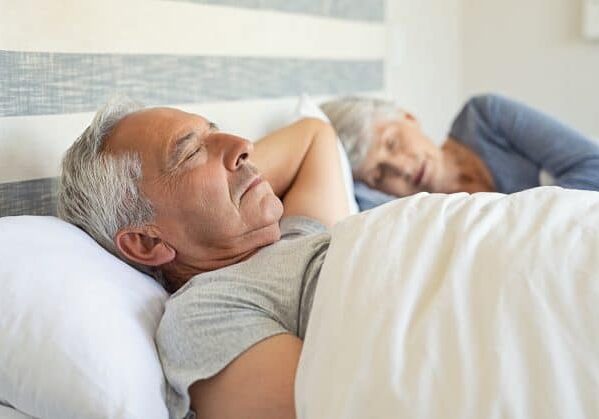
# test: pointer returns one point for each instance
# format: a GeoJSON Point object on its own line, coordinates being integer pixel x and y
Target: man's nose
{"type": "Point", "coordinates": [237, 151]}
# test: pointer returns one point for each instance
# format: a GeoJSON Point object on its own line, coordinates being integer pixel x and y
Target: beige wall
{"type": "Point", "coordinates": [533, 50]}
{"type": "Point", "coordinates": [424, 69]}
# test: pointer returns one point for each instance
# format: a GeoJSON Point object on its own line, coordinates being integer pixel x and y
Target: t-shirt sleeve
{"type": "Point", "coordinates": [202, 330]}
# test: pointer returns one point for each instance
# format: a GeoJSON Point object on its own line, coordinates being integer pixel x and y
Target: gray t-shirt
{"type": "Point", "coordinates": [218, 315]}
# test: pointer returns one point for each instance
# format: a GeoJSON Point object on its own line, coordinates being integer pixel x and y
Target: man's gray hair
{"type": "Point", "coordinates": [353, 118]}
{"type": "Point", "coordinates": [98, 191]}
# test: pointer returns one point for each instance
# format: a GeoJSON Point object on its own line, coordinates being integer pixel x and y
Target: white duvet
{"type": "Point", "coordinates": [458, 306]}
{"type": "Point", "coordinates": [10, 413]}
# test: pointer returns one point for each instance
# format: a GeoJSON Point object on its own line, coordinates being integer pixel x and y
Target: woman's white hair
{"type": "Point", "coordinates": [353, 118]}
{"type": "Point", "coordinates": [99, 191]}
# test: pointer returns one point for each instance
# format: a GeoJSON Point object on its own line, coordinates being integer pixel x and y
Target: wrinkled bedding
{"type": "Point", "coordinates": [458, 306]}
{"type": "Point", "coordinates": [10, 413]}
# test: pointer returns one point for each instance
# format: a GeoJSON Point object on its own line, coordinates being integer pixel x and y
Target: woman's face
{"type": "Point", "coordinates": [401, 160]}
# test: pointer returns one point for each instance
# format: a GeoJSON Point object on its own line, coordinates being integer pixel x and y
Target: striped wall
{"type": "Point", "coordinates": [56, 83]}
{"type": "Point", "coordinates": [345, 9]}
{"type": "Point", "coordinates": [240, 62]}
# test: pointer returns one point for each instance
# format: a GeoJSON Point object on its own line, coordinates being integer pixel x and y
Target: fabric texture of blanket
{"type": "Point", "coordinates": [458, 306]}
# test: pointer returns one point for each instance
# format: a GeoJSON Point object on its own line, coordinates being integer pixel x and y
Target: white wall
{"type": "Point", "coordinates": [424, 66]}
{"type": "Point", "coordinates": [533, 50]}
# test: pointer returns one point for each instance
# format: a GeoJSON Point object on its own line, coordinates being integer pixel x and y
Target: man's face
{"type": "Point", "coordinates": [401, 160]}
{"type": "Point", "coordinates": [210, 202]}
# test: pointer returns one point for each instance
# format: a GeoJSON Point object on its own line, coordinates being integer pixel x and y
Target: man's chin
{"type": "Point", "coordinates": [274, 234]}
{"type": "Point", "coordinates": [271, 209]}
{"type": "Point", "coordinates": [264, 218]}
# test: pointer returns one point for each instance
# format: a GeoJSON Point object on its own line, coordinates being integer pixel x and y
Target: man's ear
{"type": "Point", "coordinates": [143, 246]}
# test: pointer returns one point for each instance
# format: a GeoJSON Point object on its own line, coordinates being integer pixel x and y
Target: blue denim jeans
{"type": "Point", "coordinates": [516, 143]}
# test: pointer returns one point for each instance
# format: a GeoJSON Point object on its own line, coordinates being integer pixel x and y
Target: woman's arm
{"type": "Point", "coordinates": [302, 164]}
{"type": "Point", "coordinates": [567, 155]}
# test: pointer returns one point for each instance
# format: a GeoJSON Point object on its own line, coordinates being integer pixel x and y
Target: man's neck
{"type": "Point", "coordinates": [178, 273]}
{"type": "Point", "coordinates": [205, 256]}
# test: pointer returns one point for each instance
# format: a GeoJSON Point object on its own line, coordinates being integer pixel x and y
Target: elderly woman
{"type": "Point", "coordinates": [495, 144]}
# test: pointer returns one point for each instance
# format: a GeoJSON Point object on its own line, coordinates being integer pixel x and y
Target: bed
{"type": "Point", "coordinates": [10, 413]}
{"type": "Point", "coordinates": [470, 306]}
{"type": "Point", "coordinates": [77, 325]}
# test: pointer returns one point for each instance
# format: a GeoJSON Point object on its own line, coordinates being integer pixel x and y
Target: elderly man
{"type": "Point", "coordinates": [237, 230]}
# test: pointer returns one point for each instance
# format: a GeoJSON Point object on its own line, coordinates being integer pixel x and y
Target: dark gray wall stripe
{"type": "Point", "coordinates": [37, 83]}
{"type": "Point", "coordinates": [371, 10]}
{"type": "Point", "coordinates": [30, 197]}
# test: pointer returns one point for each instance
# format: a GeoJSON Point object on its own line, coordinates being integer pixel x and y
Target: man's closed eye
{"type": "Point", "coordinates": [194, 153]}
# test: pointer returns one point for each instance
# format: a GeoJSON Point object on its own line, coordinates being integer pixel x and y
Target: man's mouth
{"type": "Point", "coordinates": [257, 180]}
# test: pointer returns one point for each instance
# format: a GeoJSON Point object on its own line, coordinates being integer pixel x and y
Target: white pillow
{"type": "Point", "coordinates": [76, 326]}
{"type": "Point", "coordinates": [306, 108]}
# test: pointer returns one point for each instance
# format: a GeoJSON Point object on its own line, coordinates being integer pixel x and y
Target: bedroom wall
{"type": "Point", "coordinates": [241, 62]}
{"type": "Point", "coordinates": [60, 59]}
{"type": "Point", "coordinates": [424, 62]}
{"type": "Point", "coordinates": [533, 50]}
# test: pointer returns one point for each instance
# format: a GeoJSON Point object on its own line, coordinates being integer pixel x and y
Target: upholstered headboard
{"type": "Point", "coordinates": [241, 62]}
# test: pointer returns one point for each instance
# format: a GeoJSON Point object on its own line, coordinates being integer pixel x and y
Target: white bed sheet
{"type": "Point", "coordinates": [10, 413]}
{"type": "Point", "coordinates": [482, 306]}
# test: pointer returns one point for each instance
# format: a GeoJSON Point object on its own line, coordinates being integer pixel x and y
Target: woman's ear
{"type": "Point", "coordinates": [143, 246]}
